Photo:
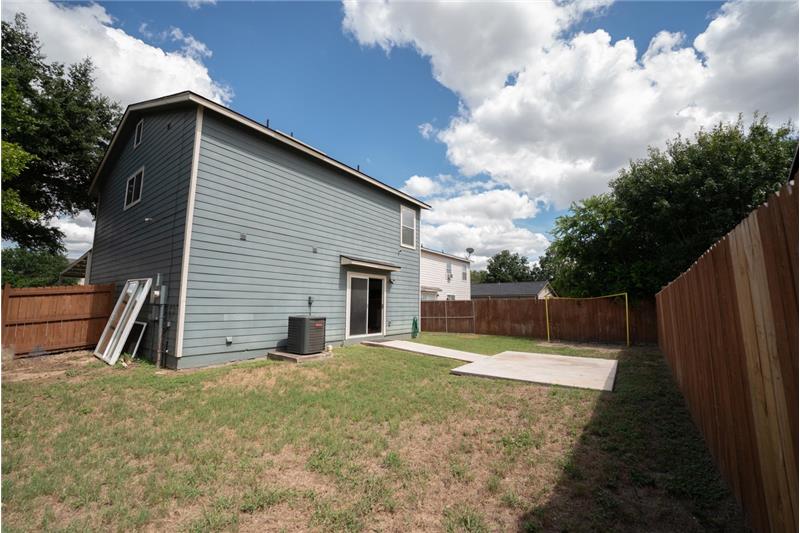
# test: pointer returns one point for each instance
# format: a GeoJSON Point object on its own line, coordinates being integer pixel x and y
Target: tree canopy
{"type": "Point", "coordinates": [33, 268]}
{"type": "Point", "coordinates": [506, 266]}
{"type": "Point", "coordinates": [56, 127]}
{"type": "Point", "coordinates": [665, 210]}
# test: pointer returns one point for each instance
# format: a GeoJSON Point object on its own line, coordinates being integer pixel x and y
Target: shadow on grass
{"type": "Point", "coordinates": [640, 464]}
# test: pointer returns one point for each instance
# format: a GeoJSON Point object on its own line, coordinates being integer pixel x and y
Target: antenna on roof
{"type": "Point", "coordinates": [268, 123]}
{"type": "Point", "coordinates": [358, 167]}
{"type": "Point", "coordinates": [291, 134]}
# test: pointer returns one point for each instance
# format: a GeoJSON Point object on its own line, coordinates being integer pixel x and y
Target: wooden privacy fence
{"type": "Point", "coordinates": [728, 327]}
{"type": "Point", "coordinates": [49, 319]}
{"type": "Point", "coordinates": [571, 319]}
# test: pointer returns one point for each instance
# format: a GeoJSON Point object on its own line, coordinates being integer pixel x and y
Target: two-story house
{"type": "Point", "coordinates": [444, 276]}
{"type": "Point", "coordinates": [246, 226]}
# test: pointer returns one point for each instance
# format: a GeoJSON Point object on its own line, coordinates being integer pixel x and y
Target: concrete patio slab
{"type": "Point", "coordinates": [580, 372]}
{"type": "Point", "coordinates": [279, 355]}
{"type": "Point", "coordinates": [425, 349]}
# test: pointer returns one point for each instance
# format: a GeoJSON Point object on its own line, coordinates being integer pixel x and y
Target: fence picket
{"type": "Point", "coordinates": [728, 328]}
{"type": "Point", "coordinates": [587, 320]}
{"type": "Point", "coordinates": [51, 319]}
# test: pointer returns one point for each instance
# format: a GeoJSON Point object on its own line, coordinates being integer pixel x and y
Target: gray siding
{"type": "Point", "coordinates": [287, 205]}
{"type": "Point", "coordinates": [125, 246]}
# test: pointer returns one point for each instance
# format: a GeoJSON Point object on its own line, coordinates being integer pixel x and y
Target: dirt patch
{"type": "Point", "coordinates": [45, 366]}
{"type": "Point", "coordinates": [266, 377]}
{"type": "Point", "coordinates": [475, 462]}
{"type": "Point", "coordinates": [611, 349]}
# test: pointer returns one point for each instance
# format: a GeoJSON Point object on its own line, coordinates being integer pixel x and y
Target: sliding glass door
{"type": "Point", "coordinates": [365, 300]}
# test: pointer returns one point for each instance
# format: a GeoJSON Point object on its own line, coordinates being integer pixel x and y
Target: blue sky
{"type": "Point", "coordinates": [497, 114]}
{"type": "Point", "coordinates": [292, 63]}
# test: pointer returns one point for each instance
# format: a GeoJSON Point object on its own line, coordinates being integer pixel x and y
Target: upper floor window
{"type": "Point", "coordinates": [133, 188]}
{"type": "Point", "coordinates": [464, 272]}
{"type": "Point", "coordinates": [449, 271]}
{"type": "Point", "coordinates": [137, 136]}
{"type": "Point", "coordinates": [408, 227]}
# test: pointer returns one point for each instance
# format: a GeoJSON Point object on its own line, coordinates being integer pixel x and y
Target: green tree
{"type": "Point", "coordinates": [665, 210]}
{"type": "Point", "coordinates": [32, 268]}
{"type": "Point", "coordinates": [58, 127]}
{"type": "Point", "coordinates": [14, 161]}
{"type": "Point", "coordinates": [477, 276]}
{"type": "Point", "coordinates": [505, 266]}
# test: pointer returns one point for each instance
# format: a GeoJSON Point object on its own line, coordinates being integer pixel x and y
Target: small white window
{"type": "Point", "coordinates": [408, 227]}
{"type": "Point", "coordinates": [449, 271]}
{"type": "Point", "coordinates": [451, 296]}
{"type": "Point", "coordinates": [137, 136]}
{"type": "Point", "coordinates": [133, 188]}
{"type": "Point", "coordinates": [464, 272]}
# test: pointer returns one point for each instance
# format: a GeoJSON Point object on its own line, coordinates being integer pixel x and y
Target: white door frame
{"type": "Point", "coordinates": [351, 275]}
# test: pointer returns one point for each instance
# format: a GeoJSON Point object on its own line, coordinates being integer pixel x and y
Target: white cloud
{"type": "Point", "coordinates": [127, 69]}
{"type": "Point", "coordinates": [487, 240]}
{"type": "Point", "coordinates": [475, 214]}
{"type": "Point", "coordinates": [426, 129]}
{"type": "Point", "coordinates": [191, 46]}
{"type": "Point", "coordinates": [197, 4]}
{"type": "Point", "coordinates": [78, 232]}
{"type": "Point", "coordinates": [482, 208]}
{"type": "Point", "coordinates": [420, 186]}
{"type": "Point", "coordinates": [580, 107]}
{"type": "Point", "coordinates": [472, 46]}
{"type": "Point", "coordinates": [482, 220]}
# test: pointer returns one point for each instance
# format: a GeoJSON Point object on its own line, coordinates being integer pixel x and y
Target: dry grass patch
{"type": "Point", "coordinates": [370, 439]}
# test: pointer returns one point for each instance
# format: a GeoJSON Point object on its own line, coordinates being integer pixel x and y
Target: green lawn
{"type": "Point", "coordinates": [494, 344]}
{"type": "Point", "coordinates": [372, 439]}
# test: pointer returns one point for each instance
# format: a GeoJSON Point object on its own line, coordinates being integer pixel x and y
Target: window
{"type": "Point", "coordinates": [137, 136]}
{"type": "Point", "coordinates": [451, 296]}
{"type": "Point", "coordinates": [449, 271]}
{"type": "Point", "coordinates": [408, 227]}
{"type": "Point", "coordinates": [464, 272]}
{"type": "Point", "coordinates": [133, 188]}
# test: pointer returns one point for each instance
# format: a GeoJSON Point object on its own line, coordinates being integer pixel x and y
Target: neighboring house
{"type": "Point", "coordinates": [444, 276]}
{"type": "Point", "coordinates": [519, 289]}
{"type": "Point", "coordinates": [78, 269]}
{"type": "Point", "coordinates": [247, 226]}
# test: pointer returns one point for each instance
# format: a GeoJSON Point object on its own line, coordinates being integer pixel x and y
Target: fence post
{"type": "Point", "coordinates": [627, 323]}
{"type": "Point", "coordinates": [547, 316]}
{"type": "Point", "coordinates": [473, 316]}
{"type": "Point", "coordinates": [4, 310]}
{"type": "Point", "coordinates": [445, 316]}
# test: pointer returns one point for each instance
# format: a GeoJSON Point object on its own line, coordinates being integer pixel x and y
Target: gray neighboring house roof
{"type": "Point", "coordinates": [508, 290]}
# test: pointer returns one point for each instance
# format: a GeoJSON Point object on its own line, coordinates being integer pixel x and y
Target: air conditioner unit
{"type": "Point", "coordinates": [449, 276]}
{"type": "Point", "coordinates": [306, 335]}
